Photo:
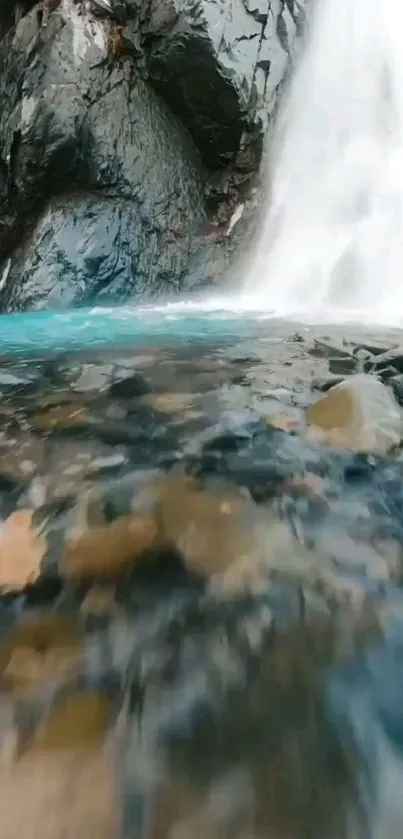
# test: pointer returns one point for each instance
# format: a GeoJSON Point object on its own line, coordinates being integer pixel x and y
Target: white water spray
{"type": "Point", "coordinates": [332, 238]}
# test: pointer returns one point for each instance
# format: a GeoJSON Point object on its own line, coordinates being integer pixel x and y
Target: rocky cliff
{"type": "Point", "coordinates": [130, 131]}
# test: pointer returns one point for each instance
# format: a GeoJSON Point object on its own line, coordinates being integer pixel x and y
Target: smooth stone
{"type": "Point", "coordinates": [107, 551]}
{"type": "Point", "coordinates": [359, 414]}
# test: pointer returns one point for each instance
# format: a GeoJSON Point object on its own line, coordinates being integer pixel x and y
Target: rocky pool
{"type": "Point", "coordinates": [201, 571]}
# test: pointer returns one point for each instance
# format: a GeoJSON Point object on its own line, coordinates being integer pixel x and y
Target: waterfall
{"type": "Point", "coordinates": [331, 239]}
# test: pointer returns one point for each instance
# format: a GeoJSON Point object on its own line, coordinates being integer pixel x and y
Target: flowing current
{"type": "Point", "coordinates": [332, 236]}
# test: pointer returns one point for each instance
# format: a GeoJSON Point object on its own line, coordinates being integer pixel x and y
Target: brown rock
{"type": "Point", "coordinates": [359, 414]}
{"type": "Point", "coordinates": [206, 526]}
{"type": "Point", "coordinates": [311, 485]}
{"type": "Point", "coordinates": [283, 422]}
{"type": "Point", "coordinates": [240, 547]}
{"type": "Point", "coordinates": [104, 552]}
{"type": "Point", "coordinates": [59, 796]}
{"type": "Point", "coordinates": [169, 403]}
{"type": "Point", "coordinates": [224, 536]}
{"type": "Point", "coordinates": [40, 649]}
{"type": "Point", "coordinates": [22, 548]}
{"type": "Point", "coordinates": [100, 600]}
{"type": "Point", "coordinates": [59, 417]}
{"type": "Point", "coordinates": [79, 721]}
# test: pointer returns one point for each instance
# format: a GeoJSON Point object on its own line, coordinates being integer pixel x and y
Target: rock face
{"type": "Point", "coordinates": [129, 134]}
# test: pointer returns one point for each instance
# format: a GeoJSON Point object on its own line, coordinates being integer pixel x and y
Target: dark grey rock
{"type": "Point", "coordinates": [322, 348]}
{"type": "Point", "coordinates": [219, 65]}
{"type": "Point", "coordinates": [102, 7]}
{"type": "Point", "coordinates": [89, 248]}
{"type": "Point", "coordinates": [396, 383]}
{"type": "Point", "coordinates": [324, 384]}
{"type": "Point", "coordinates": [127, 180]}
{"type": "Point", "coordinates": [372, 347]}
{"type": "Point", "coordinates": [391, 358]}
{"type": "Point", "coordinates": [342, 366]}
{"type": "Point", "coordinates": [122, 125]}
{"type": "Point", "coordinates": [130, 387]}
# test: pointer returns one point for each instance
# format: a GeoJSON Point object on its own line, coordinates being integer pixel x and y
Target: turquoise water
{"type": "Point", "coordinates": [76, 329]}
{"type": "Point", "coordinates": [33, 333]}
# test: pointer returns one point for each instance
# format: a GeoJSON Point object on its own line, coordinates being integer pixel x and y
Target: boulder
{"type": "Point", "coordinates": [103, 186]}
{"type": "Point", "coordinates": [124, 128]}
{"type": "Point", "coordinates": [220, 66]}
{"type": "Point", "coordinates": [359, 414]}
{"type": "Point", "coordinates": [211, 61]}
{"type": "Point", "coordinates": [392, 358]}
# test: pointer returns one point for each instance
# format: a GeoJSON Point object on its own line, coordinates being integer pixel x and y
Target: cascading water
{"type": "Point", "coordinates": [332, 238]}
{"type": "Point", "coordinates": [331, 244]}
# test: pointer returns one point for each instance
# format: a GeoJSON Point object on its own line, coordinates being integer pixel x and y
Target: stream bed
{"type": "Point", "coordinates": [201, 602]}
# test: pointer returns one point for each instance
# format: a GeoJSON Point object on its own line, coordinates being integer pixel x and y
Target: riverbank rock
{"type": "Point", "coordinates": [112, 161]}
{"type": "Point", "coordinates": [64, 776]}
{"type": "Point", "coordinates": [359, 414]}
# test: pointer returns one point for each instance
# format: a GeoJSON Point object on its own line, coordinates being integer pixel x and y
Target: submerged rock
{"type": "Point", "coordinates": [22, 548]}
{"type": "Point", "coordinates": [67, 782]}
{"type": "Point", "coordinates": [359, 414]}
{"type": "Point", "coordinates": [104, 552]}
{"type": "Point", "coordinates": [40, 649]}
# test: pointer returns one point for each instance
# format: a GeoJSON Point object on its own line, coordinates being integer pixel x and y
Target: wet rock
{"type": "Point", "coordinates": [284, 421]}
{"type": "Point", "coordinates": [372, 347]}
{"type": "Point", "coordinates": [363, 358]}
{"type": "Point", "coordinates": [223, 536]}
{"type": "Point", "coordinates": [249, 463]}
{"type": "Point", "coordinates": [72, 465]}
{"type": "Point", "coordinates": [386, 374]}
{"type": "Point", "coordinates": [391, 358]}
{"type": "Point", "coordinates": [396, 383]}
{"type": "Point", "coordinates": [128, 226]}
{"type": "Point", "coordinates": [360, 414]}
{"type": "Point", "coordinates": [100, 600]}
{"type": "Point", "coordinates": [324, 384]}
{"type": "Point", "coordinates": [227, 775]}
{"type": "Point", "coordinates": [170, 403]}
{"type": "Point", "coordinates": [41, 649]}
{"type": "Point", "coordinates": [61, 417]}
{"type": "Point", "coordinates": [59, 769]}
{"type": "Point", "coordinates": [78, 720]}
{"type": "Point", "coordinates": [85, 250]}
{"type": "Point", "coordinates": [210, 257]}
{"type": "Point", "coordinates": [22, 548]}
{"type": "Point", "coordinates": [244, 70]}
{"type": "Point", "coordinates": [96, 204]}
{"type": "Point", "coordinates": [21, 457]}
{"type": "Point", "coordinates": [314, 486]}
{"type": "Point", "coordinates": [202, 525]}
{"type": "Point", "coordinates": [324, 349]}
{"type": "Point", "coordinates": [343, 366]}
{"type": "Point", "coordinates": [105, 552]}
{"type": "Point", "coordinates": [75, 792]}
{"type": "Point", "coordinates": [130, 387]}
{"type": "Point", "coordinates": [92, 378]}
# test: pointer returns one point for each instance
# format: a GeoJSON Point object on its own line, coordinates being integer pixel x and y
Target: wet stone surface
{"type": "Point", "coordinates": [201, 562]}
